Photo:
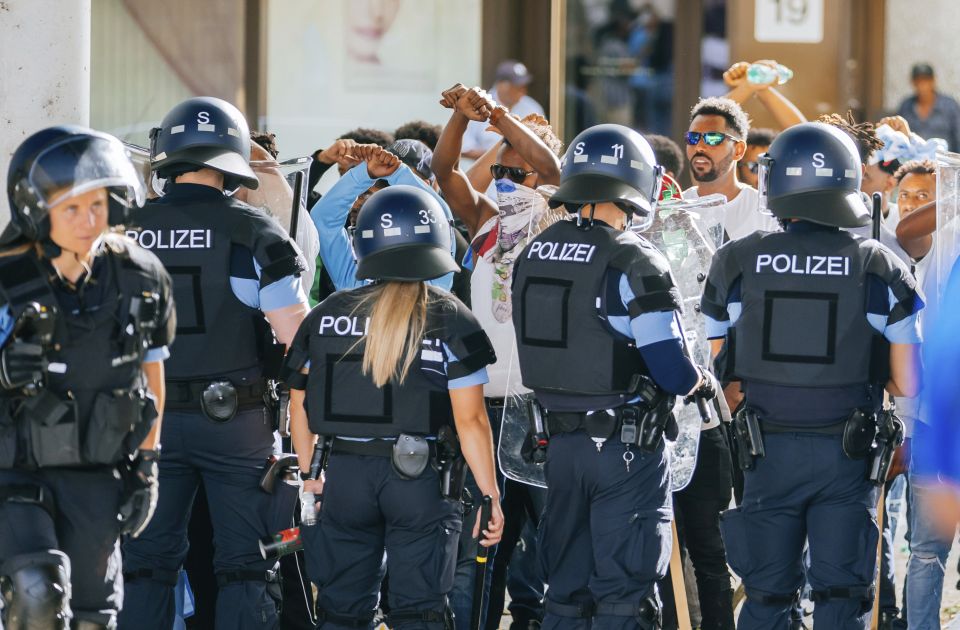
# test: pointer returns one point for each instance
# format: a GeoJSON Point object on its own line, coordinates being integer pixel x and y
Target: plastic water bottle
{"type": "Point", "coordinates": [762, 74]}
{"type": "Point", "coordinates": [308, 509]}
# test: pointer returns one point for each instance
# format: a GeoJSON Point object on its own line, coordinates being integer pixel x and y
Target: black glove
{"type": "Point", "coordinates": [709, 386]}
{"type": "Point", "coordinates": [140, 489]}
{"type": "Point", "coordinates": [21, 363]}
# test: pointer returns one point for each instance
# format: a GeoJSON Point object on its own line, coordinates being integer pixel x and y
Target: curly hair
{"type": "Point", "coordinates": [916, 167]}
{"type": "Point", "coordinates": [542, 130]}
{"type": "Point", "coordinates": [729, 110]}
{"type": "Point", "coordinates": [668, 153]}
{"type": "Point", "coordinates": [419, 130]}
{"type": "Point", "coordinates": [761, 137]}
{"type": "Point", "coordinates": [267, 141]}
{"type": "Point", "coordinates": [863, 134]}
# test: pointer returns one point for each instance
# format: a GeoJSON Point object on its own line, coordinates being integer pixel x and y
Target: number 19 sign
{"type": "Point", "coordinates": [798, 21]}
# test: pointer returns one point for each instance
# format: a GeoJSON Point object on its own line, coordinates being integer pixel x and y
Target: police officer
{"type": "Point", "coordinates": [818, 321]}
{"type": "Point", "coordinates": [233, 267]}
{"type": "Point", "coordinates": [393, 376]}
{"type": "Point", "coordinates": [85, 319]}
{"type": "Point", "coordinates": [600, 342]}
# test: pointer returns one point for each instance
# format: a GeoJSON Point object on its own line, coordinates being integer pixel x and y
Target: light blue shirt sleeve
{"type": "Point", "coordinates": [284, 292]}
{"type": "Point", "coordinates": [331, 212]}
{"type": "Point", "coordinates": [6, 323]}
{"type": "Point", "coordinates": [476, 378]}
{"type": "Point", "coordinates": [907, 330]}
{"type": "Point", "coordinates": [156, 354]}
{"type": "Point", "coordinates": [646, 328]}
{"type": "Point", "coordinates": [329, 215]}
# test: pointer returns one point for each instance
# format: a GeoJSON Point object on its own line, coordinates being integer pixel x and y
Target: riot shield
{"type": "Point", "coordinates": [688, 233]}
{"type": "Point", "coordinates": [947, 237]}
{"type": "Point", "coordinates": [283, 195]}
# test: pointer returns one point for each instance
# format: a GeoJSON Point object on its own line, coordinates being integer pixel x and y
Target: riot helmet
{"type": "Point", "coordinates": [203, 132]}
{"type": "Point", "coordinates": [61, 162]}
{"type": "Point", "coordinates": [610, 163]}
{"type": "Point", "coordinates": [812, 171]}
{"type": "Point", "coordinates": [402, 234]}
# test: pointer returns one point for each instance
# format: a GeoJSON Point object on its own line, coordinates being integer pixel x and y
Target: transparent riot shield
{"type": "Point", "coordinates": [688, 233]}
{"type": "Point", "coordinates": [283, 195]}
{"type": "Point", "coordinates": [947, 237]}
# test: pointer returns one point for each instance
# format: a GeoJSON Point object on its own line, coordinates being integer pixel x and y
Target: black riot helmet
{"type": "Point", "coordinates": [61, 162]}
{"type": "Point", "coordinates": [204, 132]}
{"type": "Point", "coordinates": [610, 163]}
{"type": "Point", "coordinates": [812, 172]}
{"type": "Point", "coordinates": [402, 234]}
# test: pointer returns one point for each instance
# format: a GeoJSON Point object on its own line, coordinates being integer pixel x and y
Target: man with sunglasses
{"type": "Point", "coordinates": [715, 144]}
{"type": "Point", "coordinates": [526, 159]}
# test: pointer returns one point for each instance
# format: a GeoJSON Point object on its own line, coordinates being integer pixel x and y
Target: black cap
{"type": "Point", "coordinates": [921, 70]}
{"type": "Point", "coordinates": [513, 71]}
{"type": "Point", "coordinates": [414, 154]}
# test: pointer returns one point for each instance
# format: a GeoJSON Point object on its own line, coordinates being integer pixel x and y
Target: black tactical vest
{"type": "Point", "coordinates": [95, 361]}
{"type": "Point", "coordinates": [564, 342]}
{"type": "Point", "coordinates": [803, 320]}
{"type": "Point", "coordinates": [342, 401]}
{"type": "Point", "coordinates": [218, 336]}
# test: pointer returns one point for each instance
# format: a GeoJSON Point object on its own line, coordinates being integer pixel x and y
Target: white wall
{"type": "Point", "coordinates": [44, 72]}
{"type": "Point", "coordinates": [924, 31]}
{"type": "Point", "coordinates": [315, 93]}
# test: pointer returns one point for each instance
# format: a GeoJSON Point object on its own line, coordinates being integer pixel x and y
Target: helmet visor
{"type": "Point", "coordinates": [764, 164]}
{"type": "Point", "coordinates": [79, 164]}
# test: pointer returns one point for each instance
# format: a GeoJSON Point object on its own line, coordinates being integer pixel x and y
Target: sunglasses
{"type": "Point", "coordinates": [710, 138]}
{"type": "Point", "coordinates": [513, 173]}
{"type": "Point", "coordinates": [753, 167]}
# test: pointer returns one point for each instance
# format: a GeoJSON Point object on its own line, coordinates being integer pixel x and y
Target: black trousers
{"type": "Point", "coordinates": [697, 511]}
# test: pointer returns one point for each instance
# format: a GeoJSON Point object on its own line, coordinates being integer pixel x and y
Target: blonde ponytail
{"type": "Point", "coordinates": [398, 317]}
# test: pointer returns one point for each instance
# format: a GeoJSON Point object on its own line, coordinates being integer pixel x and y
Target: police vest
{"type": "Point", "coordinates": [99, 411]}
{"type": "Point", "coordinates": [342, 401]}
{"type": "Point", "coordinates": [803, 316]}
{"type": "Point", "coordinates": [564, 341]}
{"type": "Point", "coordinates": [218, 336]}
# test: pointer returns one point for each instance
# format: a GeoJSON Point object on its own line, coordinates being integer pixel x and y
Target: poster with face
{"type": "Point", "coordinates": [390, 44]}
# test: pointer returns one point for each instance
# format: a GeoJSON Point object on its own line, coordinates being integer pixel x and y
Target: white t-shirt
{"type": "Point", "coordinates": [742, 214]}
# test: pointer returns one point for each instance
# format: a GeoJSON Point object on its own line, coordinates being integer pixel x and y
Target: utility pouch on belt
{"type": "Point", "coordinates": [653, 418]}
{"type": "Point", "coordinates": [411, 456]}
{"type": "Point", "coordinates": [858, 434]}
{"type": "Point", "coordinates": [54, 429]}
{"type": "Point", "coordinates": [219, 401]}
{"type": "Point", "coordinates": [600, 424]}
{"type": "Point", "coordinates": [747, 435]}
{"type": "Point", "coordinates": [453, 467]}
{"type": "Point", "coordinates": [889, 438]}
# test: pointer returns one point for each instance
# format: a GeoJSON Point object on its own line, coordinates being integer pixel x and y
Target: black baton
{"type": "Point", "coordinates": [486, 508]}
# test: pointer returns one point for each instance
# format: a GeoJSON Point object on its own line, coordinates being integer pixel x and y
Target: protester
{"type": "Point", "coordinates": [929, 112]}
{"type": "Point", "coordinates": [419, 130]}
{"type": "Point", "coordinates": [716, 142]}
{"type": "Point", "coordinates": [758, 141]}
{"type": "Point", "coordinates": [668, 154]}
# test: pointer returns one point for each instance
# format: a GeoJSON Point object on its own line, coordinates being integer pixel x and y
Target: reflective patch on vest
{"type": "Point", "coordinates": [803, 265]}
{"type": "Point", "coordinates": [800, 327]}
{"type": "Point", "coordinates": [173, 239]}
{"type": "Point", "coordinates": [562, 252]}
{"type": "Point", "coordinates": [344, 326]}
{"type": "Point", "coordinates": [431, 357]}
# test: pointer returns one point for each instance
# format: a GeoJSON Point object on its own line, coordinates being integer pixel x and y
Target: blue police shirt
{"type": "Point", "coordinates": [331, 212]}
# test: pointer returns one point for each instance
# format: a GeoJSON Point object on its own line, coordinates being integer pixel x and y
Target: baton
{"type": "Point", "coordinates": [877, 215]}
{"type": "Point", "coordinates": [297, 196]}
{"type": "Point", "coordinates": [486, 508]}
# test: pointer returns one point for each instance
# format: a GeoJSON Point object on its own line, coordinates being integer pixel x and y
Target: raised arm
{"type": "Point", "coordinates": [465, 202]}
{"type": "Point", "coordinates": [529, 146]}
{"type": "Point", "coordinates": [783, 110]}
{"type": "Point", "coordinates": [915, 231]}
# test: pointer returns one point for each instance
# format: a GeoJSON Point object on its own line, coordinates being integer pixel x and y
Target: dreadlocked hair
{"type": "Point", "coordinates": [863, 134]}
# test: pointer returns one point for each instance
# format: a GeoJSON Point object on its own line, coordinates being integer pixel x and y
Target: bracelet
{"type": "Point", "coordinates": [497, 114]}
